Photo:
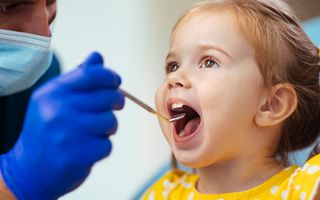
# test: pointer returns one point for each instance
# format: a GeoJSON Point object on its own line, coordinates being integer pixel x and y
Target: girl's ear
{"type": "Point", "coordinates": [276, 106]}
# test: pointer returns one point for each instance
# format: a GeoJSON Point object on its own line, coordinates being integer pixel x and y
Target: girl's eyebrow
{"type": "Point", "coordinates": [171, 54]}
{"type": "Point", "coordinates": [205, 47]}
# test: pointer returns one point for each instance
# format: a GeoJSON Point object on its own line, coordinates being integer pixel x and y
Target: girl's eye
{"type": "Point", "coordinates": [172, 67]}
{"type": "Point", "coordinates": [209, 63]}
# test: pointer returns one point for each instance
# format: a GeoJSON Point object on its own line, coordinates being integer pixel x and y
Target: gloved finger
{"type": "Point", "coordinates": [97, 124]}
{"type": "Point", "coordinates": [90, 76]}
{"type": "Point", "coordinates": [95, 150]}
{"type": "Point", "coordinates": [84, 151]}
{"type": "Point", "coordinates": [94, 58]}
{"type": "Point", "coordinates": [84, 79]}
{"type": "Point", "coordinates": [100, 149]}
{"type": "Point", "coordinates": [99, 100]}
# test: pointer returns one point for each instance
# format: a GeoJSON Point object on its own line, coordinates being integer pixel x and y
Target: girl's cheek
{"type": "Point", "coordinates": [160, 97]}
{"type": "Point", "coordinates": [160, 101]}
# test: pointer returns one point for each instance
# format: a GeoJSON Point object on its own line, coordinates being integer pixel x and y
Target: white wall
{"type": "Point", "coordinates": [133, 36]}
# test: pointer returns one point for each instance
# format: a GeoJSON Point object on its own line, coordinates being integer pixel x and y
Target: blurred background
{"type": "Point", "coordinates": [133, 36]}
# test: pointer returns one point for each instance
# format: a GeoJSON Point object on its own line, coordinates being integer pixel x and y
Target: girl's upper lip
{"type": "Point", "coordinates": [173, 100]}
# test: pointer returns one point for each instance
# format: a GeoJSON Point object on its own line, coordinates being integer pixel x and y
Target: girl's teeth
{"type": "Point", "coordinates": [176, 106]}
{"type": "Point", "coordinates": [182, 133]}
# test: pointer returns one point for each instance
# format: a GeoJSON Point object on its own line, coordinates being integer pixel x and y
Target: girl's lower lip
{"type": "Point", "coordinates": [183, 141]}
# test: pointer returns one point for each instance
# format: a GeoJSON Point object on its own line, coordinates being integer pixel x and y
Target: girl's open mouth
{"type": "Point", "coordinates": [186, 127]}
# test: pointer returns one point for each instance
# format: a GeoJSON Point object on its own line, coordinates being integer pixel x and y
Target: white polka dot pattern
{"type": "Point", "coordinates": [151, 196]}
{"type": "Point", "coordinates": [274, 190]}
{"type": "Point", "coordinates": [303, 195]}
{"type": "Point", "coordinates": [284, 194]}
{"type": "Point", "coordinates": [191, 196]}
{"type": "Point", "coordinates": [313, 169]}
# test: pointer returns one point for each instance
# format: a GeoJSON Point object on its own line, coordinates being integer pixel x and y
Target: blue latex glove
{"type": "Point", "coordinates": [66, 130]}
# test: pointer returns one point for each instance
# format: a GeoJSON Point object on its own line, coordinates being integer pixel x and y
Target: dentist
{"type": "Point", "coordinates": [69, 120]}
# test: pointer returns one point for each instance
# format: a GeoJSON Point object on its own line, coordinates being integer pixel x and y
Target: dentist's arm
{"type": "Point", "coordinates": [66, 130]}
{"type": "Point", "coordinates": [5, 193]}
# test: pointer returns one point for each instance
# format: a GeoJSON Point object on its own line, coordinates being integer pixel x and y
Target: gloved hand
{"type": "Point", "coordinates": [66, 130]}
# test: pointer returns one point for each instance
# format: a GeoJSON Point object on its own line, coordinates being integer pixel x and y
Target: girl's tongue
{"type": "Point", "coordinates": [190, 127]}
{"type": "Point", "coordinates": [189, 123]}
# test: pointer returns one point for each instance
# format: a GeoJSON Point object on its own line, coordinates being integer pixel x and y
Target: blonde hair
{"type": "Point", "coordinates": [284, 54]}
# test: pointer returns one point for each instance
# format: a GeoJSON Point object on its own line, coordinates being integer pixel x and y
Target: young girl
{"type": "Point", "coordinates": [246, 77]}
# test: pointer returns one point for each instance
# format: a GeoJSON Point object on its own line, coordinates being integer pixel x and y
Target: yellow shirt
{"type": "Point", "coordinates": [291, 183]}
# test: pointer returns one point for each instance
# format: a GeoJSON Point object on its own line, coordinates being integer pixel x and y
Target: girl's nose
{"type": "Point", "coordinates": [179, 79]}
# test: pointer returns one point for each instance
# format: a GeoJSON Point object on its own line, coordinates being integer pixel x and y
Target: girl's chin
{"type": "Point", "coordinates": [190, 161]}
{"type": "Point", "coordinates": [195, 164]}
{"type": "Point", "coordinates": [192, 165]}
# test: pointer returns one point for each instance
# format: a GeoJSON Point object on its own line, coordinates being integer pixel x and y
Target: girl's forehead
{"type": "Point", "coordinates": [199, 18]}
{"type": "Point", "coordinates": [214, 28]}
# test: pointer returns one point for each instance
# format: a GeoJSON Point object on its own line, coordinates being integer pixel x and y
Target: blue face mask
{"type": "Point", "coordinates": [24, 58]}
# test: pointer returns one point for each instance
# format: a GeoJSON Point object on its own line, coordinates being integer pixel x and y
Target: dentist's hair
{"type": "Point", "coordinates": [284, 54]}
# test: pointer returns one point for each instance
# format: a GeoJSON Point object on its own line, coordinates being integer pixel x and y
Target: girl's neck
{"type": "Point", "coordinates": [237, 175]}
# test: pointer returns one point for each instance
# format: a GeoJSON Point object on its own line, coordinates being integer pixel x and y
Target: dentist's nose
{"type": "Point", "coordinates": [178, 79]}
{"type": "Point", "coordinates": [39, 20]}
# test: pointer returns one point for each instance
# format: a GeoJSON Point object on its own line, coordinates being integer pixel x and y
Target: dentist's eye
{"type": "Point", "coordinates": [172, 67]}
{"type": "Point", "coordinates": [5, 8]}
{"type": "Point", "coordinates": [50, 2]}
{"type": "Point", "coordinates": [9, 7]}
{"type": "Point", "coordinates": [209, 62]}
